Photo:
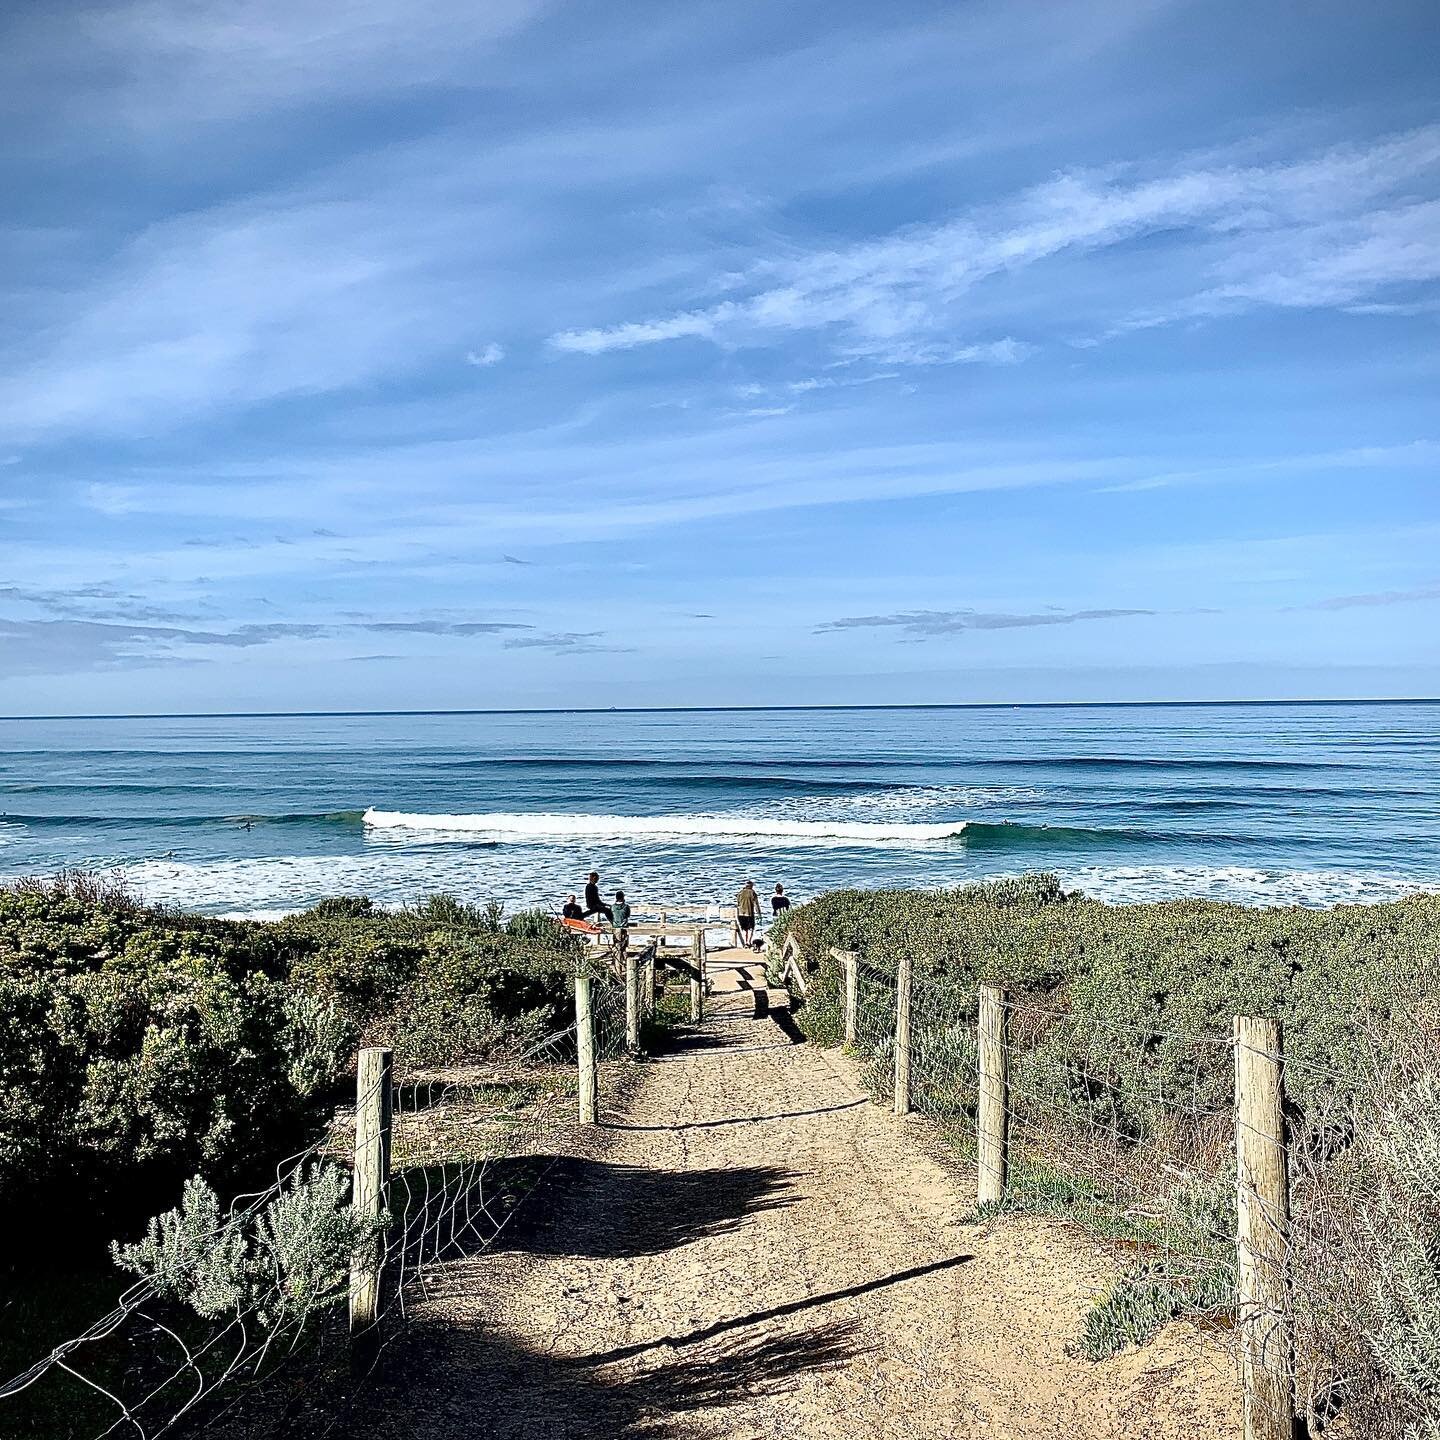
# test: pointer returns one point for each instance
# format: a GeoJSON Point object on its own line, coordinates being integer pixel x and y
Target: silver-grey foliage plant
{"type": "Point", "coordinates": [1406, 1255]}
{"type": "Point", "coordinates": [282, 1264]}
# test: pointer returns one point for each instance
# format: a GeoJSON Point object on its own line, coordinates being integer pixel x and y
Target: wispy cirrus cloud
{"type": "Point", "coordinates": [210, 59]}
{"type": "Point", "coordinates": [567, 642]}
{"type": "Point", "coordinates": [1329, 229]}
{"type": "Point", "coordinates": [1373, 599]}
{"type": "Point", "coordinates": [58, 646]}
{"type": "Point", "coordinates": [936, 624]}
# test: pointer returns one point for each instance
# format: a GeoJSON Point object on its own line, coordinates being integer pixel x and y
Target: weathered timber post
{"type": "Point", "coordinates": [632, 1004]}
{"type": "Point", "coordinates": [585, 1047]}
{"type": "Point", "coordinates": [648, 980]}
{"type": "Point", "coordinates": [904, 976]}
{"type": "Point", "coordinates": [852, 997]}
{"type": "Point", "coordinates": [697, 980]}
{"type": "Point", "coordinates": [369, 1187]}
{"type": "Point", "coordinates": [992, 1120]}
{"type": "Point", "coordinates": [1267, 1342]}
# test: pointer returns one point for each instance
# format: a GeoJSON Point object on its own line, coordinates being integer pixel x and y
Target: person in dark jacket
{"type": "Point", "coordinates": [779, 900]}
{"type": "Point", "coordinates": [571, 910]}
{"type": "Point", "coordinates": [594, 905]}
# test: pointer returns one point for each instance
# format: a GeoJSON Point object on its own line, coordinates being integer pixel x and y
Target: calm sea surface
{"type": "Point", "coordinates": [1265, 804]}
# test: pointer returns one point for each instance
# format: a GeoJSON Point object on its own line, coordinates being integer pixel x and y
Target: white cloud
{"type": "Point", "coordinates": [147, 60]}
{"type": "Point", "coordinates": [1325, 230]}
{"type": "Point", "coordinates": [491, 354]}
{"type": "Point", "coordinates": [701, 324]}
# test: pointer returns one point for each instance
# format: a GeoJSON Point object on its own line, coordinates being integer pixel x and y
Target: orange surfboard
{"type": "Point", "coordinates": [583, 926]}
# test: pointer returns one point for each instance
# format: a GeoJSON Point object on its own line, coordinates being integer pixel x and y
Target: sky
{"type": "Point", "coordinates": [425, 354]}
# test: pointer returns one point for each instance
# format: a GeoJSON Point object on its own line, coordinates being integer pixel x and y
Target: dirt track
{"type": "Point", "coordinates": [753, 1249]}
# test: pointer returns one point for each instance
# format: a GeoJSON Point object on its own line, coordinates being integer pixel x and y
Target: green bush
{"type": "Point", "coordinates": [1144, 994]}
{"type": "Point", "coordinates": [439, 981]}
{"type": "Point", "coordinates": [141, 1047]}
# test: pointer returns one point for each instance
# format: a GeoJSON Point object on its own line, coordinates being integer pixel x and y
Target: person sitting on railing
{"type": "Point", "coordinates": [594, 905]}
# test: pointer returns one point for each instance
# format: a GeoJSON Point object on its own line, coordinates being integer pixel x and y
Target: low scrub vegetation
{"type": "Point", "coordinates": [146, 1053]}
{"type": "Point", "coordinates": [1122, 1091]}
{"type": "Point", "coordinates": [144, 1046]}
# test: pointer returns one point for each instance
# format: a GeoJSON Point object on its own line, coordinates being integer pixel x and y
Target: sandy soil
{"type": "Point", "coordinates": [752, 1249]}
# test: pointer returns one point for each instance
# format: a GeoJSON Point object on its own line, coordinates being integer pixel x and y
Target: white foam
{"type": "Point", "coordinates": [703, 828]}
{"type": "Point", "coordinates": [1243, 885]}
{"type": "Point", "coordinates": [911, 799]}
{"type": "Point", "coordinates": [523, 876]}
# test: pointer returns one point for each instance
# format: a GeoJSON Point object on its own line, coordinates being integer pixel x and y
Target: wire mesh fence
{"type": "Point", "coordinates": [228, 1294]}
{"type": "Point", "coordinates": [1283, 1253]}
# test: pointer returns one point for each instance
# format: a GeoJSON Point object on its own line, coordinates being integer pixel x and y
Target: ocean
{"type": "Point", "coordinates": [1267, 804]}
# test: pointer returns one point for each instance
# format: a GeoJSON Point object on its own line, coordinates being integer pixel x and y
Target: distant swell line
{"type": "Point", "coordinates": [705, 828]}
{"type": "Point", "coordinates": [1136, 762]}
{"type": "Point", "coordinates": [307, 817]}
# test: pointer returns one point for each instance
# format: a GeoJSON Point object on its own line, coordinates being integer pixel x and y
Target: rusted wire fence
{"type": "Point", "coordinates": [426, 1169]}
{"type": "Point", "coordinates": [1301, 1237]}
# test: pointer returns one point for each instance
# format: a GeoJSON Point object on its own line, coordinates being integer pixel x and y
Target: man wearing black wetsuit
{"type": "Point", "coordinates": [594, 905]}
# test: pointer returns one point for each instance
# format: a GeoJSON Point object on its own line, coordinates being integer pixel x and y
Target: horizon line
{"type": "Point", "coordinates": [721, 709]}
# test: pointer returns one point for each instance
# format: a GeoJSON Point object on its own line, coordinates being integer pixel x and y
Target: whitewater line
{"type": "Point", "coordinates": [700, 827]}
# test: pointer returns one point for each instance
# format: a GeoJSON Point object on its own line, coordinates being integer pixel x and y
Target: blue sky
{"type": "Point", "coordinates": [418, 354]}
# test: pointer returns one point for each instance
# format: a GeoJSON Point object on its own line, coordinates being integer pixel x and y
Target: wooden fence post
{"type": "Point", "coordinates": [648, 981]}
{"type": "Point", "coordinates": [369, 1187]}
{"type": "Point", "coordinates": [852, 997]}
{"type": "Point", "coordinates": [993, 1113]}
{"type": "Point", "coordinates": [632, 1003]}
{"type": "Point", "coordinates": [585, 1047]}
{"type": "Point", "coordinates": [697, 980]}
{"type": "Point", "coordinates": [1267, 1343]}
{"type": "Point", "coordinates": [904, 975]}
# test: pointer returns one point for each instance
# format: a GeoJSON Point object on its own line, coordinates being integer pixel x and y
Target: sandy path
{"type": "Point", "coordinates": [755, 1250]}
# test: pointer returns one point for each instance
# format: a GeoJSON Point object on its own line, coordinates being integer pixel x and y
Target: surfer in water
{"type": "Point", "coordinates": [594, 905]}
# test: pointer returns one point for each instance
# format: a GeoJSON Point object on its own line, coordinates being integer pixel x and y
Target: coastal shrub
{"type": "Point", "coordinates": [1143, 995]}
{"type": "Point", "coordinates": [282, 1265]}
{"type": "Point", "coordinates": [1148, 1297]}
{"type": "Point", "coordinates": [1122, 1094]}
{"type": "Point", "coordinates": [1403, 1260]}
{"type": "Point", "coordinates": [144, 1045]}
{"type": "Point", "coordinates": [438, 981]}
{"type": "Point", "coordinates": [140, 1047]}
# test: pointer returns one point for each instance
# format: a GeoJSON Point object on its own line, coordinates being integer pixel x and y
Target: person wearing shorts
{"type": "Point", "coordinates": [747, 906]}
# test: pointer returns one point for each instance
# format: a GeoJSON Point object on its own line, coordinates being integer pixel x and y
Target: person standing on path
{"type": "Point", "coordinates": [779, 901]}
{"type": "Point", "coordinates": [747, 906]}
{"type": "Point", "coordinates": [594, 905]}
